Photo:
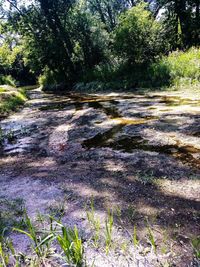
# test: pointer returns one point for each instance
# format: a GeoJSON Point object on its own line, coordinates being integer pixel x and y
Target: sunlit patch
{"type": "Point", "coordinates": [186, 189]}
{"type": "Point", "coordinates": [62, 128]}
{"type": "Point", "coordinates": [113, 166]}
{"type": "Point", "coordinates": [132, 178]}
{"type": "Point", "coordinates": [59, 138]}
{"type": "Point", "coordinates": [146, 210]}
{"type": "Point", "coordinates": [124, 121]}
{"type": "Point", "coordinates": [128, 121]}
{"type": "Point", "coordinates": [109, 182]}
{"type": "Point", "coordinates": [85, 191]}
{"type": "Point", "coordinates": [9, 160]}
{"type": "Point", "coordinates": [47, 163]}
{"type": "Point", "coordinates": [191, 144]}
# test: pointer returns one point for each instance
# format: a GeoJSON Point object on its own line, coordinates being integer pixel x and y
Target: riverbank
{"type": "Point", "coordinates": [12, 98]}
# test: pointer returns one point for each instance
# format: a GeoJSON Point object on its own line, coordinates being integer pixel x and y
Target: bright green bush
{"type": "Point", "coordinates": [180, 68]}
{"type": "Point", "coordinates": [8, 80]}
{"type": "Point", "coordinates": [177, 69]}
{"type": "Point", "coordinates": [51, 80]}
{"type": "Point", "coordinates": [136, 38]}
{"type": "Point", "coordinates": [46, 79]}
{"type": "Point", "coordinates": [11, 99]}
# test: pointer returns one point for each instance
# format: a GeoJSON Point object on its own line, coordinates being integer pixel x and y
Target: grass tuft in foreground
{"type": "Point", "coordinates": [53, 244]}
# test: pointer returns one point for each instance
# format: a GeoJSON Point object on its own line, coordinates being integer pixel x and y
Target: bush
{"type": "Point", "coordinates": [159, 73]}
{"type": "Point", "coordinates": [177, 69]}
{"type": "Point", "coordinates": [137, 36]}
{"type": "Point", "coordinates": [51, 80]}
{"type": "Point", "coordinates": [11, 99]}
{"type": "Point", "coordinates": [8, 80]}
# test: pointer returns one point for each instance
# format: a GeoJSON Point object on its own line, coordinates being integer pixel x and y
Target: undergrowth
{"type": "Point", "coordinates": [11, 99]}
{"type": "Point", "coordinates": [178, 70]}
{"type": "Point", "coordinates": [7, 79]}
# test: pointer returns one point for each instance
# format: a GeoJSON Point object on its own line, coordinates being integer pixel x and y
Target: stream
{"type": "Point", "coordinates": [163, 124]}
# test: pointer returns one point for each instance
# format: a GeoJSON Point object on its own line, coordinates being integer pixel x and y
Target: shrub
{"type": "Point", "coordinates": [159, 73]}
{"type": "Point", "coordinates": [8, 80]}
{"type": "Point", "coordinates": [11, 99]}
{"type": "Point", "coordinates": [47, 80]}
{"type": "Point", "coordinates": [51, 80]}
{"type": "Point", "coordinates": [179, 68]}
{"type": "Point", "coordinates": [137, 36]}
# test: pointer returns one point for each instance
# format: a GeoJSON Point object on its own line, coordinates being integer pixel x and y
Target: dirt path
{"type": "Point", "coordinates": [137, 152]}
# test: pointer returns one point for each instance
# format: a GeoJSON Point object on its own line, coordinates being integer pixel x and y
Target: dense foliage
{"type": "Point", "coordinates": [178, 69]}
{"type": "Point", "coordinates": [64, 42]}
{"type": "Point", "coordinates": [137, 35]}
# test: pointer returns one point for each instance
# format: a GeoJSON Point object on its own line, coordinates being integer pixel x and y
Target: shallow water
{"type": "Point", "coordinates": [125, 119]}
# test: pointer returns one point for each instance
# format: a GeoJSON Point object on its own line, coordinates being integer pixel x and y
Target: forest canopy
{"type": "Point", "coordinates": [65, 42]}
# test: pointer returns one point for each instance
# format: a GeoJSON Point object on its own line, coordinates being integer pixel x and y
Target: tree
{"type": "Point", "coordinates": [61, 38]}
{"type": "Point", "coordinates": [181, 21]}
{"type": "Point", "coordinates": [108, 11]}
{"type": "Point", "coordinates": [137, 35]}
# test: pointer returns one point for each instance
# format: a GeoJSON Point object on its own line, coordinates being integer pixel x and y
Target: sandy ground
{"type": "Point", "coordinates": [139, 153]}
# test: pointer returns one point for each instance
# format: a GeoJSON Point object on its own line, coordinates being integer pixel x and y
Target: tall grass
{"type": "Point", "coordinates": [11, 99]}
{"type": "Point", "coordinates": [72, 246]}
{"type": "Point", "coordinates": [55, 243]}
{"type": "Point", "coordinates": [40, 242]}
{"type": "Point", "coordinates": [3, 256]}
{"type": "Point", "coordinates": [109, 230]}
{"type": "Point", "coordinates": [94, 222]}
{"type": "Point", "coordinates": [72, 251]}
{"type": "Point", "coordinates": [135, 239]}
{"type": "Point", "coordinates": [150, 236]}
{"type": "Point", "coordinates": [8, 80]}
{"type": "Point", "coordinates": [196, 246]}
{"type": "Point", "coordinates": [177, 69]}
